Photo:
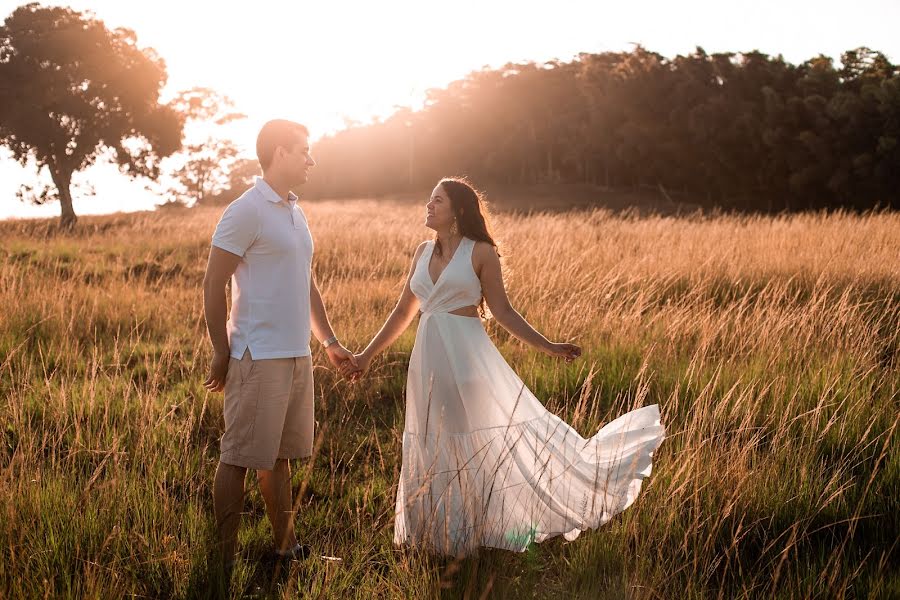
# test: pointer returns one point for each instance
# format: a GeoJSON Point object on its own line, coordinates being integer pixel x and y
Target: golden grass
{"type": "Point", "coordinates": [770, 343]}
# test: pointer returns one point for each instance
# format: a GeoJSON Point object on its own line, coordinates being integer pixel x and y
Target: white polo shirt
{"type": "Point", "coordinates": [270, 288]}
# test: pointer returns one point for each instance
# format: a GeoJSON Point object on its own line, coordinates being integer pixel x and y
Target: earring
{"type": "Point", "coordinates": [453, 228]}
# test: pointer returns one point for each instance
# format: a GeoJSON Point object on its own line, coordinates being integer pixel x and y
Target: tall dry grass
{"type": "Point", "coordinates": [770, 343]}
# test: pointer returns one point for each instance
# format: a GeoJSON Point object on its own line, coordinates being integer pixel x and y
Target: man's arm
{"type": "Point", "coordinates": [321, 328]}
{"type": "Point", "coordinates": [219, 269]}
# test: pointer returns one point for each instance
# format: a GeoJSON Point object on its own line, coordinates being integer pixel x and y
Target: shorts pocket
{"type": "Point", "coordinates": [245, 366]}
{"type": "Point", "coordinates": [241, 403]}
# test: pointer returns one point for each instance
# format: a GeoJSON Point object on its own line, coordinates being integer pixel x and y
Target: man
{"type": "Point", "coordinates": [261, 356]}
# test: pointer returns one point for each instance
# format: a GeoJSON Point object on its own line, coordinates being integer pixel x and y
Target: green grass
{"type": "Point", "coordinates": [772, 352]}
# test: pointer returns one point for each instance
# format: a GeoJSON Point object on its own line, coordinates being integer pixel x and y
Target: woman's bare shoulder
{"type": "Point", "coordinates": [419, 250]}
{"type": "Point", "coordinates": [484, 250]}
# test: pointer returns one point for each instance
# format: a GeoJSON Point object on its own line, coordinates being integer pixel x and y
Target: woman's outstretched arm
{"type": "Point", "coordinates": [487, 265]}
{"type": "Point", "coordinates": [396, 323]}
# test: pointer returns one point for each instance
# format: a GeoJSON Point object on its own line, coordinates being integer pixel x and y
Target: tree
{"type": "Point", "coordinates": [736, 130]}
{"type": "Point", "coordinates": [205, 166]}
{"type": "Point", "coordinates": [72, 90]}
{"type": "Point", "coordinates": [206, 172]}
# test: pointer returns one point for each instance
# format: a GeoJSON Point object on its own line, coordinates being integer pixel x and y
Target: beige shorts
{"type": "Point", "coordinates": [268, 411]}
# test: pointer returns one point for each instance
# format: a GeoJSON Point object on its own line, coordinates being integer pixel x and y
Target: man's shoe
{"type": "Point", "coordinates": [298, 553]}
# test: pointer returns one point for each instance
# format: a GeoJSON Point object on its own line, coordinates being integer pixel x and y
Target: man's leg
{"type": "Point", "coordinates": [275, 486]}
{"type": "Point", "coordinates": [296, 441]}
{"type": "Point", "coordinates": [228, 501]}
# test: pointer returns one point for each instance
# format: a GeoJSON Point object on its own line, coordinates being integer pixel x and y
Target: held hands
{"type": "Point", "coordinates": [353, 372]}
{"type": "Point", "coordinates": [340, 357]}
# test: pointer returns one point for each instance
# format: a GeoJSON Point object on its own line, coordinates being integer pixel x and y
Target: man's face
{"type": "Point", "coordinates": [295, 162]}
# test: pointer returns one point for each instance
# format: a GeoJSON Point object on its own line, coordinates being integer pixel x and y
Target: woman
{"type": "Point", "coordinates": [484, 463]}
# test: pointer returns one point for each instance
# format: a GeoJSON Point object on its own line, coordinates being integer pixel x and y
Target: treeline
{"type": "Point", "coordinates": [743, 131]}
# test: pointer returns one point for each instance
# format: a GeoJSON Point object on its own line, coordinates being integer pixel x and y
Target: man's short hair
{"type": "Point", "coordinates": [277, 132]}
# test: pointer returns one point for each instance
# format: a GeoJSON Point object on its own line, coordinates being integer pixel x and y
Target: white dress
{"type": "Point", "coordinates": [484, 463]}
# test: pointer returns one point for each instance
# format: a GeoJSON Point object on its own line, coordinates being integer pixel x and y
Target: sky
{"type": "Point", "coordinates": [328, 61]}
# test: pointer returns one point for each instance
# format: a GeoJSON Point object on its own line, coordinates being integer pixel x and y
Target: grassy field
{"type": "Point", "coordinates": [771, 344]}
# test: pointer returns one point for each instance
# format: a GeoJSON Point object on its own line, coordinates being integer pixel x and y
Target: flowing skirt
{"type": "Point", "coordinates": [485, 464]}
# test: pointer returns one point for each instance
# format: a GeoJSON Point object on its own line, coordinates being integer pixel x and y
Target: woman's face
{"type": "Point", "coordinates": [438, 212]}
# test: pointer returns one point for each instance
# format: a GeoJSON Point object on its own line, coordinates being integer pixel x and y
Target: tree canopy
{"type": "Point", "coordinates": [733, 130]}
{"type": "Point", "coordinates": [72, 90]}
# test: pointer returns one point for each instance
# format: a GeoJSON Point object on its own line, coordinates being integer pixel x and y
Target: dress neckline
{"type": "Point", "coordinates": [447, 266]}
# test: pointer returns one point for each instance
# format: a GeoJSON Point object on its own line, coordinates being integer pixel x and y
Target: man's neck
{"type": "Point", "coordinates": [279, 187]}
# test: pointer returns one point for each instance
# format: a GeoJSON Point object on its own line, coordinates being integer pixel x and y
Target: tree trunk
{"type": "Point", "coordinates": [62, 181]}
{"type": "Point", "coordinates": [549, 176]}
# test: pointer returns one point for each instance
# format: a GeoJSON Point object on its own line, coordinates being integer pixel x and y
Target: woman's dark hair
{"type": "Point", "coordinates": [472, 218]}
{"type": "Point", "coordinates": [468, 206]}
{"type": "Point", "coordinates": [278, 132]}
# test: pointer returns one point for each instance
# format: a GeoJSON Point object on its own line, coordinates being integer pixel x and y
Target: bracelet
{"type": "Point", "coordinates": [330, 341]}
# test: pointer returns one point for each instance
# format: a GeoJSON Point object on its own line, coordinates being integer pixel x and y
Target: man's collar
{"type": "Point", "coordinates": [270, 194]}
